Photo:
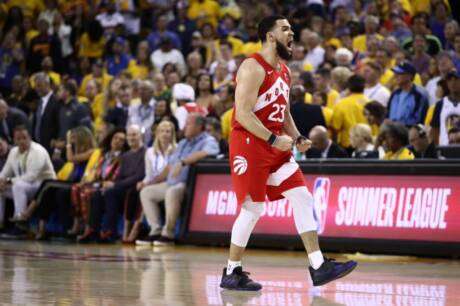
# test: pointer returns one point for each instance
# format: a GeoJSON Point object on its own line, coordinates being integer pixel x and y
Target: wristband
{"type": "Point", "coordinates": [271, 140]}
{"type": "Point", "coordinates": [299, 139]}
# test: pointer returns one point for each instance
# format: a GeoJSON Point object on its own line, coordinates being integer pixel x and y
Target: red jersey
{"type": "Point", "coordinates": [273, 97]}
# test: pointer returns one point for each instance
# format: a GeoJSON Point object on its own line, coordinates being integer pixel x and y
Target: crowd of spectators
{"type": "Point", "coordinates": [105, 104]}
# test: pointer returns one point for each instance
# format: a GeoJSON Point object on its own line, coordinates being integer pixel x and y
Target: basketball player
{"type": "Point", "coordinates": [261, 161]}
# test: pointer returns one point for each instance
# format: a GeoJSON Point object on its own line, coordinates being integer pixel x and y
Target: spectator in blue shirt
{"type": "Point", "coordinates": [409, 103]}
{"type": "Point", "coordinates": [11, 57]}
{"type": "Point", "coordinates": [161, 31]}
{"type": "Point", "coordinates": [169, 186]}
{"type": "Point", "coordinates": [118, 61]}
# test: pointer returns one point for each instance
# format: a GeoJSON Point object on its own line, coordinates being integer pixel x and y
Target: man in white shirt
{"type": "Point", "coordinates": [374, 90]}
{"type": "Point", "coordinates": [143, 114]}
{"type": "Point", "coordinates": [184, 95]}
{"type": "Point", "coordinates": [166, 54]}
{"type": "Point", "coordinates": [315, 54]}
{"type": "Point", "coordinates": [111, 18]}
{"type": "Point", "coordinates": [27, 166]}
{"type": "Point", "coordinates": [446, 114]}
{"type": "Point", "coordinates": [445, 65]}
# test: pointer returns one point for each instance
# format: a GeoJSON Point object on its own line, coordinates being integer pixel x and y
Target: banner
{"type": "Point", "coordinates": [406, 207]}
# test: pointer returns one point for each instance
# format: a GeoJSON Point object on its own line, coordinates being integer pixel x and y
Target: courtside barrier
{"type": "Point", "coordinates": [375, 207]}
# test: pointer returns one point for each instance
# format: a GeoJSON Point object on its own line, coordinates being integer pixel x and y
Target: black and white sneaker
{"type": "Point", "coordinates": [164, 241]}
{"type": "Point", "coordinates": [331, 270]}
{"type": "Point", "coordinates": [147, 240]}
{"type": "Point", "coordinates": [238, 280]}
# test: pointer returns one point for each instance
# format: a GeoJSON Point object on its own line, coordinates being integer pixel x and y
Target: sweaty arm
{"type": "Point", "coordinates": [249, 78]}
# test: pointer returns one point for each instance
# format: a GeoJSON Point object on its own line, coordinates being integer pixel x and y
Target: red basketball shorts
{"type": "Point", "coordinates": [259, 170]}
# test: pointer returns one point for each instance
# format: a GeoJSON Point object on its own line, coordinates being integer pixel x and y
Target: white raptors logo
{"type": "Point", "coordinates": [240, 165]}
{"type": "Point", "coordinates": [321, 189]}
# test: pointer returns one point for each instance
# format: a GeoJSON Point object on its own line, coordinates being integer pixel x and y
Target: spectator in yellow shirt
{"type": "Point", "coordinates": [140, 67]}
{"type": "Point", "coordinates": [202, 11]}
{"type": "Point", "coordinates": [322, 79]}
{"type": "Point", "coordinates": [375, 114]}
{"type": "Point", "coordinates": [97, 74]}
{"type": "Point", "coordinates": [371, 26]}
{"type": "Point", "coordinates": [395, 138]}
{"type": "Point", "coordinates": [29, 8]}
{"type": "Point", "coordinates": [349, 111]}
{"type": "Point", "coordinates": [92, 42]}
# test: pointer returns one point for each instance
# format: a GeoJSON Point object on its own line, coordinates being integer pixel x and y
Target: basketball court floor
{"type": "Point", "coordinates": [61, 274]}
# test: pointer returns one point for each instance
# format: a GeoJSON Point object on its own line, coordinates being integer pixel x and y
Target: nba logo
{"type": "Point", "coordinates": [321, 198]}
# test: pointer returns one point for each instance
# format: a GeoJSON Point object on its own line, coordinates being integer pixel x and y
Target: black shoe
{"type": "Point", "coordinates": [331, 270]}
{"type": "Point", "coordinates": [147, 240]}
{"type": "Point", "coordinates": [163, 240]}
{"type": "Point", "coordinates": [14, 233]}
{"type": "Point", "coordinates": [238, 280]}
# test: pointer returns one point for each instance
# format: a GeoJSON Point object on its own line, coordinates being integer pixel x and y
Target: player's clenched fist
{"type": "Point", "coordinates": [283, 143]}
{"type": "Point", "coordinates": [303, 144]}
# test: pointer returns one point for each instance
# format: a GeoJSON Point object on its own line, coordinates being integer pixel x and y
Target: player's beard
{"type": "Point", "coordinates": [283, 51]}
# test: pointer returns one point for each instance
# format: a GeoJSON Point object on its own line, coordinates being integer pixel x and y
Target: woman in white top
{"type": "Point", "coordinates": [156, 159]}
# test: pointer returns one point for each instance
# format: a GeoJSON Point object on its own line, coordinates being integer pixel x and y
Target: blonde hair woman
{"type": "Point", "coordinates": [156, 159]}
{"type": "Point", "coordinates": [361, 140]}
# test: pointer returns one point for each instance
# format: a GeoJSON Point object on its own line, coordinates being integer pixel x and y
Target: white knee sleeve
{"type": "Point", "coordinates": [244, 224]}
{"type": "Point", "coordinates": [302, 203]}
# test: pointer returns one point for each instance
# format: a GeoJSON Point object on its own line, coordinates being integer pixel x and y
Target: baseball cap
{"type": "Point", "coordinates": [182, 91]}
{"type": "Point", "coordinates": [453, 74]}
{"type": "Point", "coordinates": [404, 68]}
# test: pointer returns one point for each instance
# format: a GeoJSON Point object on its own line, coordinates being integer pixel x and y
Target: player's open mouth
{"type": "Point", "coordinates": [289, 44]}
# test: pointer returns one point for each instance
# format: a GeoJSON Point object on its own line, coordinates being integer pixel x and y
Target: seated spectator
{"type": "Point", "coordinates": [72, 114]}
{"type": "Point", "coordinates": [305, 116]}
{"type": "Point", "coordinates": [4, 151]}
{"type": "Point", "coordinates": [343, 57]}
{"type": "Point", "coordinates": [394, 138]}
{"type": "Point", "coordinates": [105, 169]}
{"type": "Point", "coordinates": [160, 89]}
{"type": "Point", "coordinates": [118, 115]}
{"type": "Point", "coordinates": [447, 111]}
{"type": "Point", "coordinates": [374, 90]}
{"type": "Point", "coordinates": [184, 95]}
{"type": "Point", "coordinates": [108, 201]}
{"type": "Point", "coordinates": [166, 54]}
{"type": "Point", "coordinates": [170, 188]}
{"type": "Point", "coordinates": [163, 112]}
{"type": "Point", "coordinates": [110, 18]}
{"type": "Point", "coordinates": [10, 118]}
{"type": "Point", "coordinates": [161, 31]}
{"type": "Point", "coordinates": [205, 96]}
{"type": "Point", "coordinates": [322, 78]}
{"type": "Point", "coordinates": [54, 194]}
{"type": "Point", "coordinates": [361, 141]}
{"type": "Point", "coordinates": [119, 60]}
{"type": "Point", "coordinates": [339, 78]}
{"type": "Point", "coordinates": [27, 166]}
{"type": "Point", "coordinates": [454, 136]}
{"type": "Point", "coordinates": [420, 143]}
{"type": "Point", "coordinates": [140, 67]}
{"type": "Point", "coordinates": [349, 111]}
{"type": "Point", "coordinates": [214, 129]}
{"type": "Point", "coordinates": [409, 103]}
{"type": "Point", "coordinates": [322, 146]}
{"type": "Point", "coordinates": [156, 159]}
{"type": "Point", "coordinates": [375, 114]}
{"type": "Point", "coordinates": [98, 74]}
{"type": "Point", "coordinates": [142, 114]}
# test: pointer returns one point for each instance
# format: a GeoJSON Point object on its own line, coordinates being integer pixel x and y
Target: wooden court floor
{"type": "Point", "coordinates": [62, 274]}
